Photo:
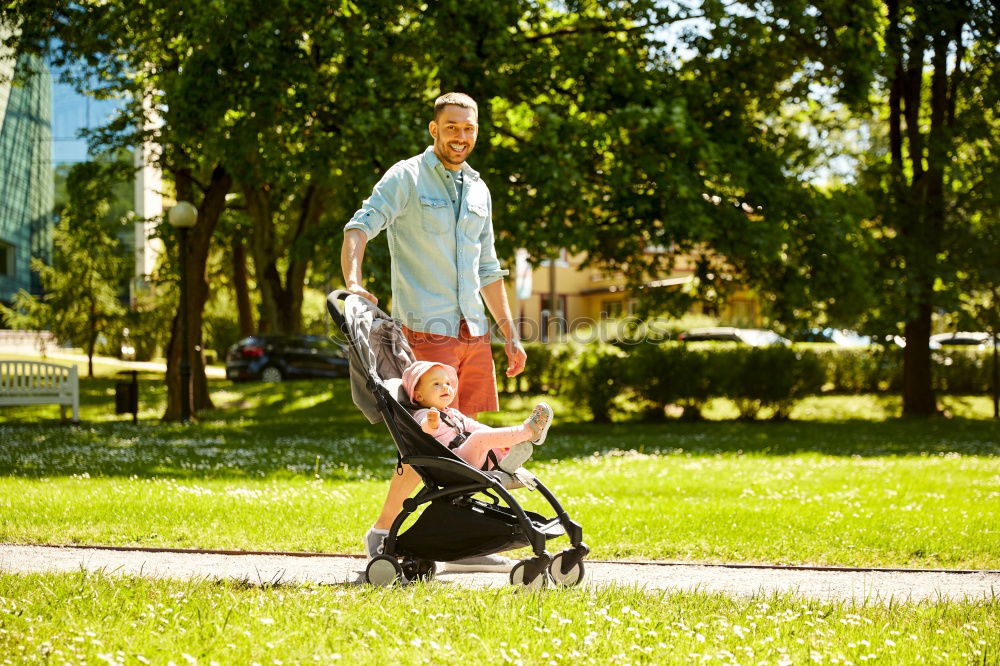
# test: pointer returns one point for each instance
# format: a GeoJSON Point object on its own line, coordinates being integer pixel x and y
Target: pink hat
{"type": "Point", "coordinates": [416, 370]}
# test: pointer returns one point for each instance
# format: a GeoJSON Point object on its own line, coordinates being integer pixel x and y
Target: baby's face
{"type": "Point", "coordinates": [434, 389]}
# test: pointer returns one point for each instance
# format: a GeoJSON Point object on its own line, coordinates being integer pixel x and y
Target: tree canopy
{"type": "Point", "coordinates": [634, 133]}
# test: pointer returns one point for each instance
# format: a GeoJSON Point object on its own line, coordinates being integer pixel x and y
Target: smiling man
{"type": "Point", "coordinates": [438, 217]}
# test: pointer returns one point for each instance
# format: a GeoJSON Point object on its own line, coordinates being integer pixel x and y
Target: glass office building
{"type": "Point", "coordinates": [26, 179]}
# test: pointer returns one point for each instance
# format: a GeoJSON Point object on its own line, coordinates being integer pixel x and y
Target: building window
{"type": "Point", "coordinates": [559, 319]}
{"type": "Point", "coordinates": [6, 259]}
{"type": "Point", "coordinates": [611, 309]}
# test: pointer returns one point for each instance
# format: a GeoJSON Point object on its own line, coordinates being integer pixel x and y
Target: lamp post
{"type": "Point", "coordinates": [183, 216]}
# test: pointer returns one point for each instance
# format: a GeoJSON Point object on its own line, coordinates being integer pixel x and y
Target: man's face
{"type": "Point", "coordinates": [454, 132]}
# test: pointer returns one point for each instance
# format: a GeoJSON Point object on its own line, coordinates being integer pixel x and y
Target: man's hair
{"type": "Point", "coordinates": [456, 99]}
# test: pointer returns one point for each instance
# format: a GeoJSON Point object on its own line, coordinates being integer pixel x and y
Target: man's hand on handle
{"type": "Point", "coordinates": [362, 292]}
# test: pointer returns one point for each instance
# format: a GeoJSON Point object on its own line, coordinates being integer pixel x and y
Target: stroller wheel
{"type": "Point", "coordinates": [416, 569]}
{"type": "Point", "coordinates": [383, 571]}
{"type": "Point", "coordinates": [519, 575]}
{"type": "Point", "coordinates": [570, 577]}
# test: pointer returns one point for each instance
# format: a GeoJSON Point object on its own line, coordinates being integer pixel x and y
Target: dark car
{"type": "Point", "coordinates": [836, 336]}
{"type": "Point", "coordinates": [754, 337]}
{"type": "Point", "coordinates": [273, 358]}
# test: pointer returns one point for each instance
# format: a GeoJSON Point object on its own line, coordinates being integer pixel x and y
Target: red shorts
{"type": "Point", "coordinates": [471, 356]}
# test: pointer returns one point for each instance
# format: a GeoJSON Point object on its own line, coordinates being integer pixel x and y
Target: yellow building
{"type": "Point", "coordinates": [585, 296]}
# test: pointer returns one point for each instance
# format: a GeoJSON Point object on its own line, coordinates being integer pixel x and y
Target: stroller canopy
{"type": "Point", "coordinates": [378, 356]}
{"type": "Point", "coordinates": [379, 352]}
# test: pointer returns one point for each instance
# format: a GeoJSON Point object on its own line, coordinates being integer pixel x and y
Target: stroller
{"type": "Point", "coordinates": [467, 512]}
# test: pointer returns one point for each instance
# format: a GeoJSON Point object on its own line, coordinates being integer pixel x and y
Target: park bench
{"type": "Point", "coordinates": [39, 383]}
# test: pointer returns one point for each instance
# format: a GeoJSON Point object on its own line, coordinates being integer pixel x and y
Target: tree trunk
{"type": "Point", "coordinates": [996, 376]}
{"type": "Point", "coordinates": [281, 295]}
{"type": "Point", "coordinates": [90, 355]}
{"type": "Point", "coordinates": [919, 197]}
{"type": "Point", "coordinates": [199, 243]}
{"type": "Point", "coordinates": [241, 287]}
{"type": "Point", "coordinates": [92, 334]}
{"type": "Point", "coordinates": [925, 240]}
{"type": "Point", "coordinates": [262, 249]}
{"type": "Point", "coordinates": [918, 393]}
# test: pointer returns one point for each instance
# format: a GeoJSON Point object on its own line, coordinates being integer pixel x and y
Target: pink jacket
{"type": "Point", "coordinates": [446, 433]}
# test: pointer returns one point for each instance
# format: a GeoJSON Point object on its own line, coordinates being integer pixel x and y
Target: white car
{"type": "Point", "coordinates": [961, 339]}
{"type": "Point", "coordinates": [755, 337]}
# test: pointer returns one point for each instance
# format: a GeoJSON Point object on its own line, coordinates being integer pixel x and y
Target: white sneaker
{"type": "Point", "coordinates": [539, 422]}
{"type": "Point", "coordinates": [483, 564]}
{"type": "Point", "coordinates": [516, 456]}
{"type": "Point", "coordinates": [373, 541]}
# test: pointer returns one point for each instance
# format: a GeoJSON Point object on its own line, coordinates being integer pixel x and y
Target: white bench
{"type": "Point", "coordinates": [39, 383]}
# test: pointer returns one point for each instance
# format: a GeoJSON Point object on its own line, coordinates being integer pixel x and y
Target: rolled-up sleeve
{"type": "Point", "coordinates": [387, 201]}
{"type": "Point", "coordinates": [489, 265]}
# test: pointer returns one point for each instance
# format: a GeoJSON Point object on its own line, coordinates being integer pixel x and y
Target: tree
{"type": "Point", "coordinates": [940, 80]}
{"type": "Point", "coordinates": [83, 285]}
{"type": "Point", "coordinates": [609, 139]}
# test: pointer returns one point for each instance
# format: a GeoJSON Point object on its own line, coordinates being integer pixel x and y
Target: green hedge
{"type": "Point", "coordinates": [772, 379]}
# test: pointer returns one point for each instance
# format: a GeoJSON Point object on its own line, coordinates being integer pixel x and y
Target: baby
{"type": "Point", "coordinates": [433, 386]}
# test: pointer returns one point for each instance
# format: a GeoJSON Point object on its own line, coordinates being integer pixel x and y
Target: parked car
{"type": "Point", "coordinates": [755, 337]}
{"type": "Point", "coordinates": [274, 358]}
{"type": "Point", "coordinates": [837, 336]}
{"type": "Point", "coordinates": [961, 339]}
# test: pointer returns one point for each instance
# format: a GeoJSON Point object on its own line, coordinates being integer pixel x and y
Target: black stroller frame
{"type": "Point", "coordinates": [455, 523]}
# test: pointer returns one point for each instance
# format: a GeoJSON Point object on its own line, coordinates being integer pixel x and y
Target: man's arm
{"type": "Point", "coordinates": [388, 199]}
{"type": "Point", "coordinates": [352, 254]}
{"type": "Point", "coordinates": [495, 297]}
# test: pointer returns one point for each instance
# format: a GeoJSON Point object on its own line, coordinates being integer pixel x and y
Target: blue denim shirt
{"type": "Point", "coordinates": [439, 263]}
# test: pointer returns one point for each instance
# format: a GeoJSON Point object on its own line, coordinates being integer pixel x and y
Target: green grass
{"type": "Point", "coordinates": [296, 467]}
{"type": "Point", "coordinates": [92, 618]}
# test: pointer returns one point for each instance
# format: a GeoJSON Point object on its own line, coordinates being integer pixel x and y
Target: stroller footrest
{"type": "Point", "coordinates": [551, 529]}
{"type": "Point", "coordinates": [506, 480]}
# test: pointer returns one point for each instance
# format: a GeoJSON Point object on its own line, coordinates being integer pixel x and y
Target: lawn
{"type": "Point", "coordinates": [296, 467]}
{"type": "Point", "coordinates": [92, 618]}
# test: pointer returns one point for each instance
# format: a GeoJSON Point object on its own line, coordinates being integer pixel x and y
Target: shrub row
{"type": "Point", "coordinates": [755, 378]}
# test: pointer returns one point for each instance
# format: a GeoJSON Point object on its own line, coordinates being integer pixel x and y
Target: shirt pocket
{"type": "Point", "coordinates": [475, 220]}
{"type": "Point", "coordinates": [436, 215]}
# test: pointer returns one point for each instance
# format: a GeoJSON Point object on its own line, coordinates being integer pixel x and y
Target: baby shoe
{"type": "Point", "coordinates": [516, 456]}
{"type": "Point", "coordinates": [539, 422]}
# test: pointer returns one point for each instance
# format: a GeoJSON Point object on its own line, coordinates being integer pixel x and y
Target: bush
{"type": "Point", "coordinates": [594, 377]}
{"type": "Point", "coordinates": [670, 373]}
{"type": "Point", "coordinates": [861, 369]}
{"type": "Point", "coordinates": [755, 378]}
{"type": "Point", "coordinates": [770, 377]}
{"type": "Point", "coordinates": [962, 370]}
{"type": "Point", "coordinates": [544, 373]}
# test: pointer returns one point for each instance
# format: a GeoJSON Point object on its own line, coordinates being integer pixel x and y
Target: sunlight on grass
{"type": "Point", "coordinates": [96, 618]}
{"type": "Point", "coordinates": [295, 466]}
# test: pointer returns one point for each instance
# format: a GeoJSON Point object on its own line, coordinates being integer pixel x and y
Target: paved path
{"type": "Point", "coordinates": [335, 570]}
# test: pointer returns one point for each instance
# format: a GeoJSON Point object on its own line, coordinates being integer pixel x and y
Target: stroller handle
{"type": "Point", "coordinates": [337, 313]}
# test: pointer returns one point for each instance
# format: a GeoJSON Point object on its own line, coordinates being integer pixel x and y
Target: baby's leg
{"type": "Point", "coordinates": [474, 449]}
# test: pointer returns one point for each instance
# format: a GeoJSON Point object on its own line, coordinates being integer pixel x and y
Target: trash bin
{"type": "Point", "coordinates": [127, 396]}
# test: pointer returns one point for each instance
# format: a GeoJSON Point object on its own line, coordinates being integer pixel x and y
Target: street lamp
{"type": "Point", "coordinates": [182, 217]}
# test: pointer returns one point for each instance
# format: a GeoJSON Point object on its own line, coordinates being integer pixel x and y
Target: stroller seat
{"type": "Point", "coordinates": [463, 511]}
{"type": "Point", "coordinates": [394, 387]}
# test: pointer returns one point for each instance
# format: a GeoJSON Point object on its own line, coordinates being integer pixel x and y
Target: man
{"type": "Point", "coordinates": [437, 214]}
